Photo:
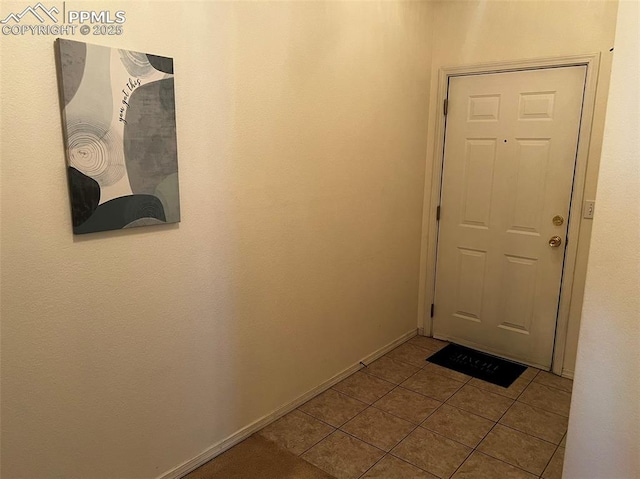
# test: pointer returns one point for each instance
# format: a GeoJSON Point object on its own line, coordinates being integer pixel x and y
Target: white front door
{"type": "Point", "coordinates": [510, 150]}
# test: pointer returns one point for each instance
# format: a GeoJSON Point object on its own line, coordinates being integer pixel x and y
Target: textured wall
{"type": "Point", "coordinates": [604, 427]}
{"type": "Point", "coordinates": [301, 140]}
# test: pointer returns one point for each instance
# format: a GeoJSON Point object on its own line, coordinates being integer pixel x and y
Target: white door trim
{"type": "Point", "coordinates": [433, 191]}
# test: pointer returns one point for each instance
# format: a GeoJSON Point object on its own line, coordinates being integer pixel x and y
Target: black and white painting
{"type": "Point", "coordinates": [118, 109]}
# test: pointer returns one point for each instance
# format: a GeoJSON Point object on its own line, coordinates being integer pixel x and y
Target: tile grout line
{"type": "Point", "coordinates": [396, 386]}
{"type": "Point", "coordinates": [372, 405]}
{"type": "Point", "coordinates": [339, 428]}
{"type": "Point", "coordinates": [483, 437]}
{"type": "Point", "coordinates": [540, 407]}
{"type": "Point", "coordinates": [411, 375]}
{"type": "Point", "coordinates": [317, 442]}
{"type": "Point", "coordinates": [406, 420]}
{"type": "Point", "coordinates": [507, 463]}
{"type": "Point", "coordinates": [527, 434]}
{"type": "Point", "coordinates": [386, 453]}
{"type": "Point", "coordinates": [475, 448]}
{"type": "Point", "coordinates": [465, 382]}
{"type": "Point", "coordinates": [463, 461]}
{"type": "Point", "coordinates": [373, 465]}
{"type": "Point", "coordinates": [472, 449]}
{"type": "Point", "coordinates": [437, 434]}
{"type": "Point", "coordinates": [415, 392]}
{"type": "Point", "coordinates": [509, 408]}
{"type": "Point", "coordinates": [553, 387]}
{"type": "Point", "coordinates": [440, 434]}
{"type": "Point", "coordinates": [515, 400]}
{"type": "Point", "coordinates": [532, 406]}
{"type": "Point", "coordinates": [353, 397]}
{"type": "Point", "coordinates": [420, 425]}
{"type": "Point", "coordinates": [550, 459]}
{"type": "Point", "coordinates": [495, 423]}
{"type": "Point", "coordinates": [351, 436]}
{"type": "Point", "coordinates": [325, 422]}
{"type": "Point", "coordinates": [498, 422]}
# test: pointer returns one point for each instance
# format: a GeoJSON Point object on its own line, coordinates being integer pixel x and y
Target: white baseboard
{"type": "Point", "coordinates": [246, 431]}
{"type": "Point", "coordinates": [567, 373]}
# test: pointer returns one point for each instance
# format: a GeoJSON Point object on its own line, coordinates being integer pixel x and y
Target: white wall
{"type": "Point", "coordinates": [604, 426]}
{"type": "Point", "coordinates": [472, 32]}
{"type": "Point", "coordinates": [301, 140]}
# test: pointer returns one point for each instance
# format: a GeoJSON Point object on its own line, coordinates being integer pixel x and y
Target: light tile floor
{"type": "Point", "coordinates": [404, 418]}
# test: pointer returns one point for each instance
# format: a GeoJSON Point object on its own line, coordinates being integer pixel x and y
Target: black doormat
{"type": "Point", "coordinates": [479, 365]}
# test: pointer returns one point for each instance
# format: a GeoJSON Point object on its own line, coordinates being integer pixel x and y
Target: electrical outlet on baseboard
{"type": "Point", "coordinates": [588, 209]}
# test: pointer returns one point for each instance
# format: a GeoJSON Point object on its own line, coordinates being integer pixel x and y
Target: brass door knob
{"type": "Point", "coordinates": [555, 241]}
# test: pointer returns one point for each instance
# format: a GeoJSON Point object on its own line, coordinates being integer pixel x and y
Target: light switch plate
{"type": "Point", "coordinates": [588, 209]}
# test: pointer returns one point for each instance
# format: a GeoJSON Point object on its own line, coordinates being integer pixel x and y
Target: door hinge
{"type": "Point", "coordinates": [445, 107]}
{"type": "Point", "coordinates": [438, 213]}
{"type": "Point", "coordinates": [432, 308]}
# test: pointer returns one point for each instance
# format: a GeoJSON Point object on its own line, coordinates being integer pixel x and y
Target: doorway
{"type": "Point", "coordinates": [509, 164]}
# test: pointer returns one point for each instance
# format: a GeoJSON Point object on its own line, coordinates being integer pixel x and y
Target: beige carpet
{"type": "Point", "coordinates": [257, 458]}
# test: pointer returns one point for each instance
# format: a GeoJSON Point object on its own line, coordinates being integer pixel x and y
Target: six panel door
{"type": "Point", "coordinates": [510, 149]}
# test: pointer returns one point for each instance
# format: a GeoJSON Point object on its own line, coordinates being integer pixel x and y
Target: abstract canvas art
{"type": "Point", "coordinates": [119, 127]}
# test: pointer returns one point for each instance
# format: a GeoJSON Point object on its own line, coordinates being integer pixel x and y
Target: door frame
{"type": "Point", "coordinates": [592, 62]}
